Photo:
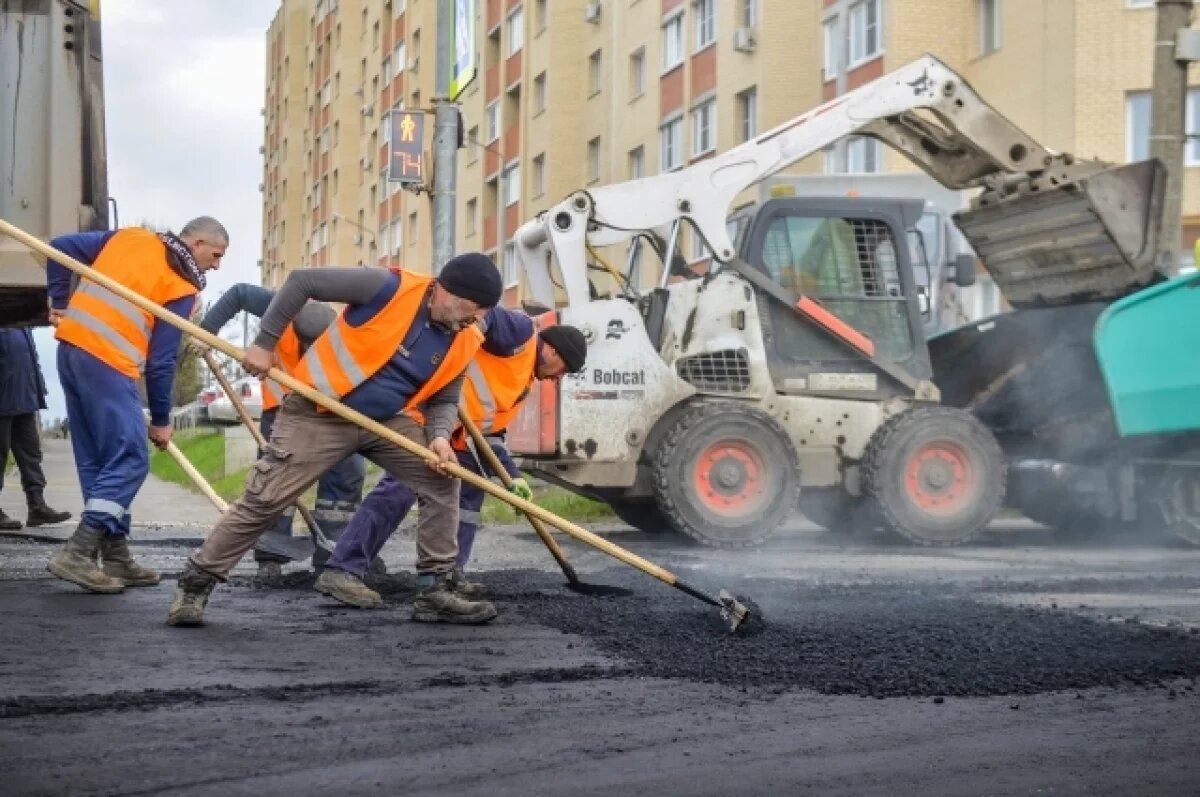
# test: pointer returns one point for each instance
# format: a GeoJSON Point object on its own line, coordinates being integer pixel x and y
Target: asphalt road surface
{"type": "Point", "coordinates": [1018, 665]}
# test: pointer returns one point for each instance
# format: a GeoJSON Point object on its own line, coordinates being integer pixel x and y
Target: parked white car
{"type": "Point", "coordinates": [249, 390]}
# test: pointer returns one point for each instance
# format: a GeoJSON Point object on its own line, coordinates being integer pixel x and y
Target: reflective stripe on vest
{"type": "Point", "coordinates": [496, 386]}
{"type": "Point", "coordinates": [345, 356]}
{"type": "Point", "coordinates": [108, 327]}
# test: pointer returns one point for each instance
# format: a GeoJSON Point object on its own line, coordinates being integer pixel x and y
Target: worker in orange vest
{"type": "Point", "coordinates": [396, 354]}
{"type": "Point", "coordinates": [105, 345]}
{"type": "Point", "coordinates": [339, 490]}
{"type": "Point", "coordinates": [513, 356]}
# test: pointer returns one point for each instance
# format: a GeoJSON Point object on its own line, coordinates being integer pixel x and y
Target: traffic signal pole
{"type": "Point", "coordinates": [445, 139]}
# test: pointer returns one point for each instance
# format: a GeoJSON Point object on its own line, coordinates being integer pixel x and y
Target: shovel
{"type": "Point", "coordinates": [483, 449]}
{"type": "Point", "coordinates": [733, 611]}
{"type": "Point", "coordinates": [296, 548]}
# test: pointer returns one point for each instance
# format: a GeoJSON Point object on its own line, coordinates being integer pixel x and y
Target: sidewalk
{"type": "Point", "coordinates": [160, 509]}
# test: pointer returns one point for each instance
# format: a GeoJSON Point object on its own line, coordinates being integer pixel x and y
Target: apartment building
{"type": "Point", "coordinates": [579, 93]}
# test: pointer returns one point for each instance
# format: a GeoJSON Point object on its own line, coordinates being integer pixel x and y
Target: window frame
{"type": "Point", "coordinates": [704, 13]}
{"type": "Point", "coordinates": [704, 119]}
{"type": "Point", "coordinates": [670, 125]}
{"type": "Point", "coordinates": [673, 21]}
{"type": "Point", "coordinates": [857, 15]}
{"type": "Point", "coordinates": [514, 23]}
{"type": "Point", "coordinates": [989, 11]}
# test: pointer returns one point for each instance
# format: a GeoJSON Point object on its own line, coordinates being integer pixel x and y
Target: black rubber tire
{"type": "Point", "coordinates": [835, 510]}
{"type": "Point", "coordinates": [642, 515]}
{"type": "Point", "coordinates": [744, 434]}
{"type": "Point", "coordinates": [947, 435]}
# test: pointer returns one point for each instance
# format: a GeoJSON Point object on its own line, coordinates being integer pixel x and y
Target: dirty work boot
{"type": "Point", "coordinates": [191, 596]}
{"type": "Point", "coordinates": [437, 602]}
{"type": "Point", "coordinates": [8, 523]}
{"type": "Point", "coordinates": [40, 513]}
{"type": "Point", "coordinates": [464, 588]}
{"type": "Point", "coordinates": [117, 561]}
{"type": "Point", "coordinates": [76, 562]}
{"type": "Point", "coordinates": [347, 588]}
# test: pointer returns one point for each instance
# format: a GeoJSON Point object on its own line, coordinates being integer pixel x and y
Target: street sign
{"type": "Point", "coordinates": [406, 147]}
{"type": "Point", "coordinates": [464, 47]}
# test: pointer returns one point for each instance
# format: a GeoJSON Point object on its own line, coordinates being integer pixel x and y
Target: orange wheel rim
{"type": "Point", "coordinates": [940, 478]}
{"type": "Point", "coordinates": [730, 478]}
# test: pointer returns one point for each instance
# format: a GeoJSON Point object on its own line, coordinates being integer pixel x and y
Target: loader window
{"type": "Point", "coordinates": [851, 266]}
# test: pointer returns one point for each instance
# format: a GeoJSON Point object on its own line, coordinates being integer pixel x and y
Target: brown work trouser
{"type": "Point", "coordinates": [304, 444]}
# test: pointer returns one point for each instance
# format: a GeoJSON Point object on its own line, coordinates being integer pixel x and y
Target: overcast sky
{"type": "Point", "coordinates": [184, 82]}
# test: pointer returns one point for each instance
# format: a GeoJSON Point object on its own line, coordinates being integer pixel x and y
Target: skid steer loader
{"type": "Point", "coordinates": [795, 371]}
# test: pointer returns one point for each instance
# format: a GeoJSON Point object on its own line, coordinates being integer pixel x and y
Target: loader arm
{"type": "Point", "coordinates": [926, 111]}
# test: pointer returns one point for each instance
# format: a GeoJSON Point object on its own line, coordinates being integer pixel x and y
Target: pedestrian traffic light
{"type": "Point", "coordinates": [406, 146]}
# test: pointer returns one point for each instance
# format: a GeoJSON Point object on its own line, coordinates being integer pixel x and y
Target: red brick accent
{"type": "Point", "coordinates": [828, 90]}
{"type": "Point", "coordinates": [669, 5]}
{"type": "Point", "coordinates": [491, 82]}
{"type": "Point", "coordinates": [512, 220]}
{"type": "Point", "coordinates": [512, 141]}
{"type": "Point", "coordinates": [670, 89]}
{"type": "Point", "coordinates": [493, 14]}
{"type": "Point", "coordinates": [489, 233]}
{"type": "Point", "coordinates": [704, 71]}
{"type": "Point", "coordinates": [398, 28]}
{"type": "Point", "coordinates": [491, 162]}
{"type": "Point", "coordinates": [512, 69]}
{"type": "Point", "coordinates": [864, 74]}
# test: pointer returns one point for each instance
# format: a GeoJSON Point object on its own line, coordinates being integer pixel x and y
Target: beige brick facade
{"type": "Point", "coordinates": [570, 112]}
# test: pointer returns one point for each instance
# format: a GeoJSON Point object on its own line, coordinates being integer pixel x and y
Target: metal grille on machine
{"type": "Point", "coordinates": [725, 371]}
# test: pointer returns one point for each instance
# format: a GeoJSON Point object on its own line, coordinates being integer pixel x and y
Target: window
{"type": "Point", "coordinates": [706, 23]}
{"type": "Point", "coordinates": [595, 72]}
{"type": "Point", "coordinates": [637, 72]}
{"type": "Point", "coordinates": [989, 26]}
{"type": "Point", "coordinates": [539, 93]}
{"type": "Point", "coordinates": [512, 184]}
{"type": "Point", "coordinates": [492, 121]}
{"type": "Point", "coordinates": [326, 93]}
{"type": "Point", "coordinates": [833, 52]}
{"type": "Point", "coordinates": [670, 145]}
{"type": "Point", "coordinates": [398, 56]}
{"type": "Point", "coordinates": [397, 236]}
{"type": "Point", "coordinates": [325, 139]}
{"type": "Point", "coordinates": [593, 159]}
{"type": "Point", "coordinates": [747, 103]}
{"type": "Point", "coordinates": [637, 163]}
{"type": "Point", "coordinates": [704, 127]}
{"type": "Point", "coordinates": [749, 13]}
{"type": "Point", "coordinates": [386, 70]}
{"type": "Point", "coordinates": [864, 31]}
{"type": "Point", "coordinates": [516, 30]}
{"type": "Point", "coordinates": [473, 140]}
{"type": "Point", "coordinates": [416, 59]}
{"type": "Point", "coordinates": [673, 42]}
{"type": "Point", "coordinates": [864, 155]}
{"type": "Point", "coordinates": [539, 14]}
{"type": "Point", "coordinates": [1137, 127]}
{"type": "Point", "coordinates": [472, 216]}
{"type": "Point", "coordinates": [699, 249]}
{"type": "Point", "coordinates": [539, 175]}
{"type": "Point", "coordinates": [849, 264]}
{"type": "Point", "coordinates": [1139, 3]}
{"type": "Point", "coordinates": [412, 229]}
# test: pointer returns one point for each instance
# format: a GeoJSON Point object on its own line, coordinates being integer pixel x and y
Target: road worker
{"type": "Point", "coordinates": [399, 347]}
{"type": "Point", "coordinates": [512, 357]}
{"type": "Point", "coordinates": [339, 490]}
{"type": "Point", "coordinates": [105, 344]}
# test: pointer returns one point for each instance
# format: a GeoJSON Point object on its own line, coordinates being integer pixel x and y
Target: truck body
{"type": "Point", "coordinates": [53, 169]}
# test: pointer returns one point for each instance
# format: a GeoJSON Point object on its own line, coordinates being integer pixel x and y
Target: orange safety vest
{"type": "Point", "coordinates": [496, 386]}
{"type": "Point", "coordinates": [345, 356]}
{"type": "Point", "coordinates": [288, 351]}
{"type": "Point", "coordinates": [105, 325]}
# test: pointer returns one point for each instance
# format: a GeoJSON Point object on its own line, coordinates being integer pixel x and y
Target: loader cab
{"type": "Point", "coordinates": [866, 262]}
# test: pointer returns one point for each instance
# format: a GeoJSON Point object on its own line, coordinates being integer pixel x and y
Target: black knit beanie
{"type": "Point", "coordinates": [472, 276]}
{"type": "Point", "coordinates": [570, 345]}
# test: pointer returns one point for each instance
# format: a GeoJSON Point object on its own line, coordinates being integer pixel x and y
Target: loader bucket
{"type": "Point", "coordinates": [1093, 239]}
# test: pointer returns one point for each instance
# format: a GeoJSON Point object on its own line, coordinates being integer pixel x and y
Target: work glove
{"type": "Point", "coordinates": [197, 347]}
{"type": "Point", "coordinates": [520, 488]}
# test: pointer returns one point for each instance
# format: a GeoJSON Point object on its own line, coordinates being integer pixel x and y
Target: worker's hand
{"type": "Point", "coordinates": [520, 488]}
{"type": "Point", "coordinates": [56, 316]}
{"type": "Point", "coordinates": [159, 435]}
{"type": "Point", "coordinates": [444, 452]}
{"type": "Point", "coordinates": [257, 360]}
